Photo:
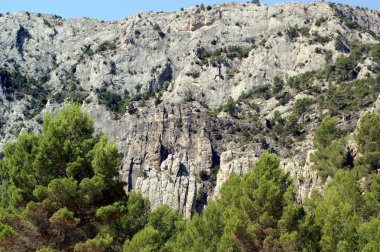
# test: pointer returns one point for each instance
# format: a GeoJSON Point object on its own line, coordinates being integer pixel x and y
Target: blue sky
{"type": "Point", "coordinates": [119, 9]}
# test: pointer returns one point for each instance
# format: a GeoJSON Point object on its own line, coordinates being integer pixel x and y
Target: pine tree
{"type": "Point", "coordinates": [60, 189]}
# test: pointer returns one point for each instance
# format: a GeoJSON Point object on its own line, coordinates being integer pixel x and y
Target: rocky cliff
{"type": "Point", "coordinates": [189, 96]}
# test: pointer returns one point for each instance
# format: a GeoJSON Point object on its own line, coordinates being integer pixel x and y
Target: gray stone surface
{"type": "Point", "coordinates": [165, 146]}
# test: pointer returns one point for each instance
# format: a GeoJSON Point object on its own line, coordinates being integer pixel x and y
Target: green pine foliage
{"type": "Point", "coordinates": [17, 86]}
{"type": "Point", "coordinates": [60, 193]}
{"type": "Point", "coordinates": [222, 55]}
{"type": "Point", "coordinates": [256, 217]}
{"type": "Point", "coordinates": [368, 138]}
{"type": "Point", "coordinates": [278, 85]}
{"type": "Point", "coordinates": [327, 132]}
{"type": "Point", "coordinates": [60, 190]}
{"type": "Point", "coordinates": [257, 212]}
{"type": "Point", "coordinates": [331, 151]}
{"type": "Point", "coordinates": [335, 213]}
{"type": "Point", "coordinates": [160, 227]}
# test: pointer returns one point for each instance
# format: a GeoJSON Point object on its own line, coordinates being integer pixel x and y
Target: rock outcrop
{"type": "Point", "coordinates": [171, 72]}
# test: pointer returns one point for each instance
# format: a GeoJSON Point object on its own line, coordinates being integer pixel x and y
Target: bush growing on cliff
{"type": "Point", "coordinates": [230, 106]}
{"type": "Point", "coordinates": [221, 55]}
{"type": "Point", "coordinates": [292, 32]}
{"type": "Point", "coordinates": [278, 85]}
{"type": "Point", "coordinates": [107, 45]}
{"type": "Point", "coordinates": [301, 106]}
{"type": "Point", "coordinates": [16, 86]}
{"type": "Point", "coordinates": [320, 21]}
{"type": "Point", "coordinates": [350, 97]}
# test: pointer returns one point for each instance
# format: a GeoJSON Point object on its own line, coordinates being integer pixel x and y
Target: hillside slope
{"type": "Point", "coordinates": [191, 96]}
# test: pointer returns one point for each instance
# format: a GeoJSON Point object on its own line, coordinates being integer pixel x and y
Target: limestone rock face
{"type": "Point", "coordinates": [174, 184]}
{"type": "Point", "coordinates": [306, 179]}
{"type": "Point", "coordinates": [164, 154]}
{"type": "Point", "coordinates": [175, 149]}
{"type": "Point", "coordinates": [233, 162]}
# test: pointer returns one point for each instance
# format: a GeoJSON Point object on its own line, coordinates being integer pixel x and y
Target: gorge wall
{"type": "Point", "coordinates": [169, 87]}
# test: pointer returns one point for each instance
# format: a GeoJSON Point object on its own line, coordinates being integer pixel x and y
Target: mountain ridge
{"type": "Point", "coordinates": [190, 96]}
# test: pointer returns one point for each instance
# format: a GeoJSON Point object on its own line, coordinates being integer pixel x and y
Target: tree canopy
{"type": "Point", "coordinates": [60, 192]}
{"type": "Point", "coordinates": [60, 189]}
